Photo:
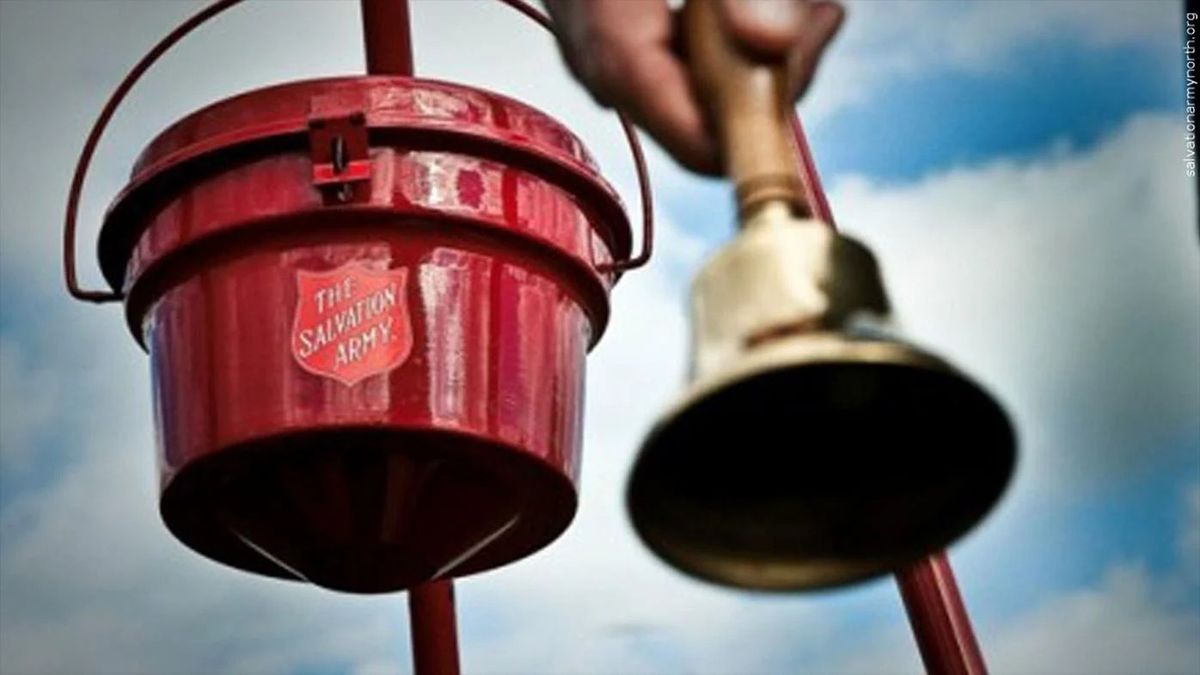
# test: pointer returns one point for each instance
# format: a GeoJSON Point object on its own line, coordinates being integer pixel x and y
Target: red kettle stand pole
{"type": "Point", "coordinates": [939, 619]}
{"type": "Point", "coordinates": [387, 37]}
{"type": "Point", "coordinates": [936, 613]}
{"type": "Point", "coordinates": [433, 628]}
{"type": "Point", "coordinates": [432, 624]}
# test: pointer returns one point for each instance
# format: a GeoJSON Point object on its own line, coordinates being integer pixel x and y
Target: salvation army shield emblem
{"type": "Point", "coordinates": [351, 322]}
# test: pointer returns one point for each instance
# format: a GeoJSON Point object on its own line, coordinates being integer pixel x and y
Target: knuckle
{"type": "Point", "coordinates": [610, 73]}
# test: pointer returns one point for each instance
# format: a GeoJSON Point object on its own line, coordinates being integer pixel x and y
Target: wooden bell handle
{"type": "Point", "coordinates": [749, 104]}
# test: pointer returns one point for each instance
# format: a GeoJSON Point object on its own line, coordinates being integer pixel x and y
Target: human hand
{"type": "Point", "coordinates": [629, 54]}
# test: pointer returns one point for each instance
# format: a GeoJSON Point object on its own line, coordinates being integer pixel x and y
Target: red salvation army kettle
{"type": "Point", "coordinates": [367, 303]}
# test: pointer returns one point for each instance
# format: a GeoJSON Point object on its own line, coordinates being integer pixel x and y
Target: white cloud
{"type": "Point", "coordinates": [38, 390]}
{"type": "Point", "coordinates": [1011, 269]}
{"type": "Point", "coordinates": [926, 38]}
{"type": "Point", "coordinates": [1189, 537]}
{"type": "Point", "coordinates": [1123, 626]}
{"type": "Point", "coordinates": [1129, 622]}
{"type": "Point", "coordinates": [1067, 284]}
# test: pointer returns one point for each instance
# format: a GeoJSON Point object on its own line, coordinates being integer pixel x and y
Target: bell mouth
{"type": "Point", "coordinates": [367, 510]}
{"type": "Point", "coordinates": [819, 473]}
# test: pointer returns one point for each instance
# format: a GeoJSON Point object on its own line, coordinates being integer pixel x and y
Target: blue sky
{"type": "Point", "coordinates": [1016, 167]}
{"type": "Point", "coordinates": [1052, 91]}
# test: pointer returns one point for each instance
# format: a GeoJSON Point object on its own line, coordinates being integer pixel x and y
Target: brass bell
{"type": "Point", "coordinates": [812, 448]}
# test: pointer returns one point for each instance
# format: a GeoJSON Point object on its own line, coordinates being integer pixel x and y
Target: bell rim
{"type": "Point", "coordinates": [821, 574]}
{"type": "Point", "coordinates": [825, 348]}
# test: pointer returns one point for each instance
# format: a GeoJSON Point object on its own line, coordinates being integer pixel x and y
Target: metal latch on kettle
{"type": "Point", "coordinates": [337, 135]}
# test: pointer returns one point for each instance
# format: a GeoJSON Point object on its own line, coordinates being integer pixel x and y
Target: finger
{"type": "Point", "coordinates": [621, 51]}
{"type": "Point", "coordinates": [824, 19]}
{"type": "Point", "coordinates": [653, 88]}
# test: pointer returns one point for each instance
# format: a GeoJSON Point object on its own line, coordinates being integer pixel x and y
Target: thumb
{"type": "Point", "coordinates": [766, 28]}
